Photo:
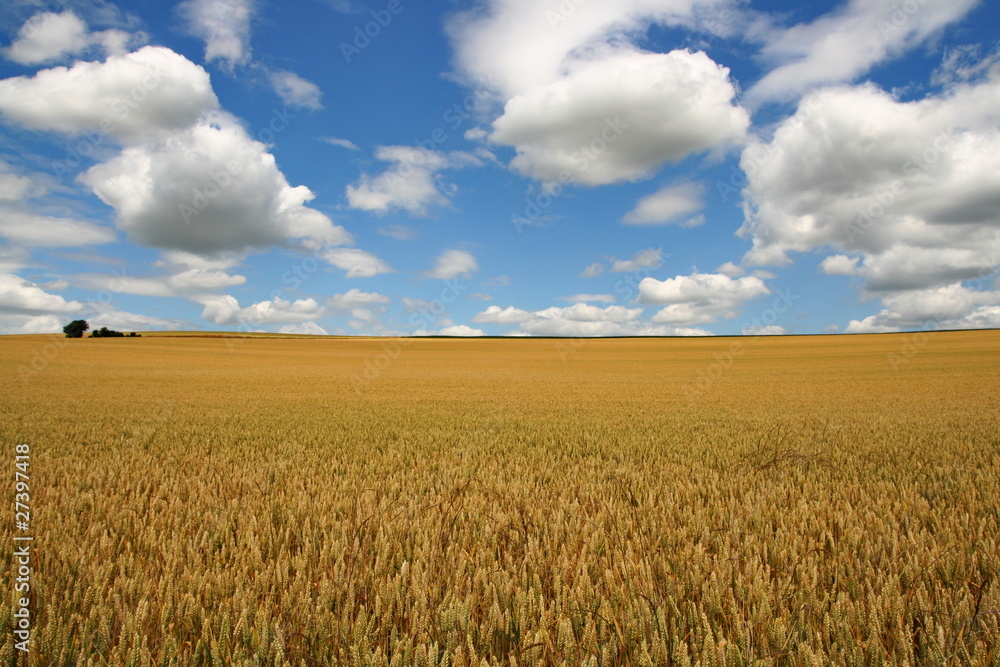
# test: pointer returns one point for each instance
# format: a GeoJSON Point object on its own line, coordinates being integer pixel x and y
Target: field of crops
{"type": "Point", "coordinates": [761, 501]}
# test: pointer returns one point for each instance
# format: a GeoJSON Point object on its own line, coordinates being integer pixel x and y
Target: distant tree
{"type": "Point", "coordinates": [105, 332]}
{"type": "Point", "coordinates": [134, 335]}
{"type": "Point", "coordinates": [76, 328]}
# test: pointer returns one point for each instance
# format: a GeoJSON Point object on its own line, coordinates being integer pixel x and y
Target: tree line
{"type": "Point", "coordinates": [77, 328]}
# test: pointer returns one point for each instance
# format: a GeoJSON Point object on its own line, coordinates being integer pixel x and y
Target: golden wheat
{"type": "Point", "coordinates": [802, 501]}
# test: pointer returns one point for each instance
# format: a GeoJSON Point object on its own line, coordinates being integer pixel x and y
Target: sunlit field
{"type": "Point", "coordinates": [826, 500]}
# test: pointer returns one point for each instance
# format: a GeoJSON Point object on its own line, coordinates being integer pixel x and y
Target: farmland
{"type": "Point", "coordinates": [759, 501]}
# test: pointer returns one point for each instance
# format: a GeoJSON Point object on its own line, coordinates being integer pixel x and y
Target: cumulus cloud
{"type": "Point", "coordinates": [453, 263]}
{"type": "Point", "coordinates": [580, 319]}
{"type": "Point", "coordinates": [225, 309]}
{"type": "Point", "coordinates": [129, 97]}
{"type": "Point", "coordinates": [651, 258]}
{"type": "Point", "coordinates": [516, 45]}
{"type": "Point", "coordinates": [189, 177]}
{"type": "Point", "coordinates": [28, 229]}
{"type": "Point", "coordinates": [224, 25]}
{"type": "Point", "coordinates": [953, 306]}
{"type": "Point", "coordinates": [355, 298]}
{"type": "Point", "coordinates": [911, 188]}
{"type": "Point", "coordinates": [621, 117]}
{"type": "Point", "coordinates": [296, 92]}
{"type": "Point", "coordinates": [204, 280]}
{"type": "Point", "coordinates": [357, 263]}
{"type": "Point", "coordinates": [461, 330]}
{"type": "Point", "coordinates": [498, 315]}
{"type": "Point", "coordinates": [907, 194]}
{"type": "Point", "coordinates": [34, 324]}
{"type": "Point", "coordinates": [13, 187]}
{"type": "Point", "coordinates": [844, 44]}
{"type": "Point", "coordinates": [592, 270]}
{"type": "Point", "coordinates": [23, 297]}
{"type": "Point", "coordinates": [209, 189]}
{"type": "Point", "coordinates": [599, 298]}
{"type": "Point", "coordinates": [48, 37]}
{"type": "Point", "coordinates": [731, 269]}
{"type": "Point", "coordinates": [412, 183]}
{"type": "Point", "coordinates": [700, 298]}
{"type": "Point", "coordinates": [671, 204]}
{"type": "Point", "coordinates": [105, 315]}
{"type": "Point", "coordinates": [582, 103]}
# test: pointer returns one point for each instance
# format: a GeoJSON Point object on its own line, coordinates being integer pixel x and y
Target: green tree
{"type": "Point", "coordinates": [76, 328]}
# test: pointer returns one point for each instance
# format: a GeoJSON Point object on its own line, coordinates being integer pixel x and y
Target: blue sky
{"type": "Point", "coordinates": [515, 167]}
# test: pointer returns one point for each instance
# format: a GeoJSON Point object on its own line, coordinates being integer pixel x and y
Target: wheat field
{"type": "Point", "coordinates": [827, 500]}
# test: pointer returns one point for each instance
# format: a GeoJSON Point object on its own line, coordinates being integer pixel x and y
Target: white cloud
{"type": "Point", "coordinates": [35, 324]}
{"type": "Point", "coordinates": [343, 143]}
{"type": "Point", "coordinates": [355, 298]}
{"type": "Point", "coordinates": [580, 319]}
{"type": "Point", "coordinates": [730, 269]}
{"type": "Point", "coordinates": [124, 284]}
{"type": "Point", "coordinates": [207, 190]}
{"type": "Point", "coordinates": [412, 182]}
{"type": "Point", "coordinates": [498, 315]}
{"type": "Point", "coordinates": [178, 259]}
{"type": "Point", "coordinates": [843, 45]}
{"type": "Point", "coordinates": [224, 25]}
{"type": "Point", "coordinates": [582, 101]}
{"type": "Point", "coordinates": [651, 258]}
{"type": "Point", "coordinates": [14, 188]}
{"type": "Point", "coordinates": [23, 297]}
{"type": "Point", "coordinates": [600, 298]}
{"type": "Point", "coordinates": [28, 229]}
{"type": "Point", "coordinates": [951, 306]}
{"type": "Point", "coordinates": [357, 263]}
{"type": "Point", "coordinates": [593, 270]}
{"type": "Point", "coordinates": [225, 310]}
{"type": "Point", "coordinates": [910, 188]}
{"type": "Point", "coordinates": [517, 45]}
{"type": "Point", "coordinates": [48, 37]}
{"type": "Point", "coordinates": [220, 309]}
{"type": "Point", "coordinates": [453, 263]}
{"type": "Point", "coordinates": [204, 280]}
{"type": "Point", "coordinates": [129, 97]}
{"type": "Point", "coordinates": [297, 92]}
{"type": "Point", "coordinates": [112, 318]}
{"type": "Point", "coordinates": [869, 325]}
{"type": "Point", "coordinates": [700, 298]}
{"type": "Point", "coordinates": [460, 330]}
{"type": "Point", "coordinates": [621, 117]}
{"type": "Point", "coordinates": [307, 328]}
{"type": "Point", "coordinates": [672, 204]}
{"type": "Point", "coordinates": [764, 330]}
{"type": "Point", "coordinates": [840, 265]}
